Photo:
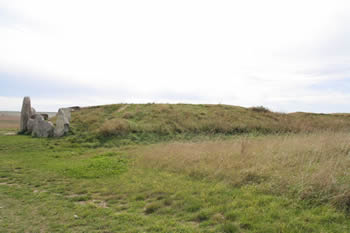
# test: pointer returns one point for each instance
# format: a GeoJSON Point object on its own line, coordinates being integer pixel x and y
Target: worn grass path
{"type": "Point", "coordinates": [51, 186]}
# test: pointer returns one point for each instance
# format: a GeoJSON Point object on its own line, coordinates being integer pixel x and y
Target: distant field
{"type": "Point", "coordinates": [9, 121]}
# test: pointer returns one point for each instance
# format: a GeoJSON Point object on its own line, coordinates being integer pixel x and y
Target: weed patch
{"type": "Point", "coordinates": [230, 228]}
{"type": "Point", "coordinates": [153, 207]}
{"type": "Point", "coordinates": [97, 167]}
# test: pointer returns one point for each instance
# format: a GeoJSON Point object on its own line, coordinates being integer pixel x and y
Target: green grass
{"type": "Point", "coordinates": [180, 168]}
{"type": "Point", "coordinates": [103, 165]}
{"type": "Point", "coordinates": [52, 185]}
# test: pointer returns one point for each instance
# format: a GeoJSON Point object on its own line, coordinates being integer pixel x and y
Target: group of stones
{"type": "Point", "coordinates": [38, 125]}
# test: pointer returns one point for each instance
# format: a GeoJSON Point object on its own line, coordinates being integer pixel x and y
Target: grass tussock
{"type": "Point", "coordinates": [114, 127]}
{"type": "Point", "coordinates": [260, 109]}
{"type": "Point", "coordinates": [313, 167]}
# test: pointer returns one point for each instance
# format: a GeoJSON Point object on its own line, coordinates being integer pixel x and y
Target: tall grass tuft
{"type": "Point", "coordinates": [114, 127]}
{"type": "Point", "coordinates": [311, 166]}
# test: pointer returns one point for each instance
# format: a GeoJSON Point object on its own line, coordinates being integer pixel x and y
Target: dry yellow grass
{"type": "Point", "coordinates": [314, 166]}
{"type": "Point", "coordinates": [114, 127]}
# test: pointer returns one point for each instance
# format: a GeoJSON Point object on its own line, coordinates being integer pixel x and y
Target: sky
{"type": "Point", "coordinates": [285, 55]}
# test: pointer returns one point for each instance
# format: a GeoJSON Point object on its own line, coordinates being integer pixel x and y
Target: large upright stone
{"type": "Point", "coordinates": [62, 123]}
{"type": "Point", "coordinates": [45, 115]}
{"type": "Point", "coordinates": [42, 128]}
{"type": "Point", "coordinates": [26, 113]}
{"type": "Point", "coordinates": [67, 113]}
{"type": "Point", "coordinates": [33, 112]}
{"type": "Point", "coordinates": [30, 125]}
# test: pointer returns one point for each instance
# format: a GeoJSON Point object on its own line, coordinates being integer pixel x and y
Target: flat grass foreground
{"type": "Point", "coordinates": [271, 183]}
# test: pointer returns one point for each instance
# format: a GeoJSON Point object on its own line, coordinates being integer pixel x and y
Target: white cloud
{"type": "Point", "coordinates": [235, 52]}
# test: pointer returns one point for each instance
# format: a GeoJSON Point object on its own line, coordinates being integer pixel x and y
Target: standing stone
{"type": "Point", "coordinates": [67, 113]}
{"type": "Point", "coordinates": [62, 123]}
{"type": "Point", "coordinates": [42, 128]}
{"type": "Point", "coordinates": [46, 116]}
{"type": "Point", "coordinates": [25, 114]}
{"type": "Point", "coordinates": [30, 125]}
{"type": "Point", "coordinates": [33, 112]}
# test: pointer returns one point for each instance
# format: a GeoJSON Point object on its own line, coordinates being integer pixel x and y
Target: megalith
{"type": "Point", "coordinates": [33, 112]}
{"type": "Point", "coordinates": [45, 115]}
{"type": "Point", "coordinates": [42, 128]}
{"type": "Point", "coordinates": [26, 113]}
{"type": "Point", "coordinates": [37, 124]}
{"type": "Point", "coordinates": [30, 125]}
{"type": "Point", "coordinates": [67, 113]}
{"type": "Point", "coordinates": [62, 122]}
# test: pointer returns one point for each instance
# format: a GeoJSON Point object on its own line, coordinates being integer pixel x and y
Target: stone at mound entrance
{"type": "Point", "coordinates": [67, 113]}
{"type": "Point", "coordinates": [33, 112]}
{"type": "Point", "coordinates": [42, 128]}
{"type": "Point", "coordinates": [30, 126]}
{"type": "Point", "coordinates": [37, 125]}
{"type": "Point", "coordinates": [26, 113]}
{"type": "Point", "coordinates": [46, 116]}
{"type": "Point", "coordinates": [62, 122]}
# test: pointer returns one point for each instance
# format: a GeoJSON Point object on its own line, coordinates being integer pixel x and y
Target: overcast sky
{"type": "Point", "coordinates": [286, 55]}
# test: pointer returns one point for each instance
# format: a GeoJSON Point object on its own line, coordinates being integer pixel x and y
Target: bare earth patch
{"type": "Point", "coordinates": [97, 203]}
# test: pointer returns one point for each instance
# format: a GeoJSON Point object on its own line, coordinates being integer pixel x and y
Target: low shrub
{"type": "Point", "coordinates": [229, 228]}
{"type": "Point", "coordinates": [115, 126]}
{"type": "Point", "coordinates": [260, 109]}
{"type": "Point", "coordinates": [152, 207]}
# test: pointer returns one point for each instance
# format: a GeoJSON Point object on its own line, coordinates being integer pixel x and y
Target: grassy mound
{"type": "Point", "coordinates": [154, 122]}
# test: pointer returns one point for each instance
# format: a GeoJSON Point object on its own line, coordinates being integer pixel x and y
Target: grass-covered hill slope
{"type": "Point", "coordinates": [145, 121]}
